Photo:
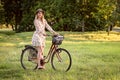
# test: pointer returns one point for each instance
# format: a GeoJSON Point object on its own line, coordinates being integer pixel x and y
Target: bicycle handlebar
{"type": "Point", "coordinates": [52, 35]}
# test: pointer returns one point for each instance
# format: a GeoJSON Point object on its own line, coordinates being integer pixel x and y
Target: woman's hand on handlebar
{"type": "Point", "coordinates": [56, 34]}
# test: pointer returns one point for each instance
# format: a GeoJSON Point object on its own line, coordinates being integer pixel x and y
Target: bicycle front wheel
{"type": "Point", "coordinates": [29, 58]}
{"type": "Point", "coordinates": [61, 60]}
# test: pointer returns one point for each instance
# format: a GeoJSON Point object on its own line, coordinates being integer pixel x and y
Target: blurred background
{"type": "Point", "coordinates": [63, 15]}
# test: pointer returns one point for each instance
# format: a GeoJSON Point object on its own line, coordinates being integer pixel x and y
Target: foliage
{"type": "Point", "coordinates": [2, 20]}
{"type": "Point", "coordinates": [12, 12]}
{"type": "Point", "coordinates": [63, 15]}
{"type": "Point", "coordinates": [118, 12]}
{"type": "Point", "coordinates": [26, 23]}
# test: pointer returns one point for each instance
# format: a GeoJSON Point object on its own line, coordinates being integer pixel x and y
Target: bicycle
{"type": "Point", "coordinates": [60, 57]}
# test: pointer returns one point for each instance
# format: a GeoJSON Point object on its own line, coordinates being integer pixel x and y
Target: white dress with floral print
{"type": "Point", "coordinates": [38, 38]}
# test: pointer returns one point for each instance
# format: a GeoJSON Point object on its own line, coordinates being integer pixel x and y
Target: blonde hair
{"type": "Point", "coordinates": [36, 17]}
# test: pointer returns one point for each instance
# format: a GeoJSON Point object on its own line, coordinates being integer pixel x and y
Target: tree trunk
{"type": "Point", "coordinates": [83, 25]}
{"type": "Point", "coordinates": [13, 27]}
{"type": "Point", "coordinates": [108, 33]}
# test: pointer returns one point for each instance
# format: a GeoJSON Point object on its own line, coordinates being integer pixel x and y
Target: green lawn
{"type": "Point", "coordinates": [95, 56]}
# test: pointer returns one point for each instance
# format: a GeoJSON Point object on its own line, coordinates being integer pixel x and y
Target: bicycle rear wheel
{"type": "Point", "coordinates": [29, 58]}
{"type": "Point", "coordinates": [61, 60]}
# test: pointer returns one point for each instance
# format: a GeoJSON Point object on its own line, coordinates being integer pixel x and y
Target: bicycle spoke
{"type": "Point", "coordinates": [61, 60]}
{"type": "Point", "coordinates": [28, 59]}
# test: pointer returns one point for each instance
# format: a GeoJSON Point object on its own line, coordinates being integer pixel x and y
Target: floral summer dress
{"type": "Point", "coordinates": [38, 38]}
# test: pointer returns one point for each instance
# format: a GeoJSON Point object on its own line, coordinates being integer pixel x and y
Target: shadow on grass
{"type": "Point", "coordinates": [9, 73]}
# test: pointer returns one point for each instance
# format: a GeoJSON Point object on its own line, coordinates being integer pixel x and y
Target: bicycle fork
{"type": "Point", "coordinates": [58, 56]}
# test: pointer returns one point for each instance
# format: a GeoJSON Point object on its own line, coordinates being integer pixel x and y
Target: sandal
{"type": "Point", "coordinates": [42, 62]}
{"type": "Point", "coordinates": [40, 67]}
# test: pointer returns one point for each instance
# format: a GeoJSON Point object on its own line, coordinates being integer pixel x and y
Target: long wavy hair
{"type": "Point", "coordinates": [39, 10]}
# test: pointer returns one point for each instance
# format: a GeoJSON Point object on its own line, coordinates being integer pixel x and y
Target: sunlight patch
{"type": "Point", "coordinates": [73, 42]}
{"type": "Point", "coordinates": [0, 36]}
{"type": "Point", "coordinates": [24, 43]}
{"type": "Point", "coordinates": [95, 36]}
{"type": "Point", "coordinates": [7, 44]}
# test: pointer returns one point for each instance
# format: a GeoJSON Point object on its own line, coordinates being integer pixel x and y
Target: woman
{"type": "Point", "coordinates": [38, 39]}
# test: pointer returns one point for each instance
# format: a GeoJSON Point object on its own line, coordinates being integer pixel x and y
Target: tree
{"type": "Point", "coordinates": [118, 13]}
{"type": "Point", "coordinates": [2, 18]}
{"type": "Point", "coordinates": [67, 15]}
{"type": "Point", "coordinates": [13, 12]}
{"type": "Point", "coordinates": [28, 11]}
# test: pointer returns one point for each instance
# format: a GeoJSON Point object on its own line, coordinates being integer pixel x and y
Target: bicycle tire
{"type": "Point", "coordinates": [23, 63]}
{"type": "Point", "coordinates": [55, 64]}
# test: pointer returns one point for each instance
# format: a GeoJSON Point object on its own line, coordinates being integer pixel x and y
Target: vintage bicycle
{"type": "Point", "coordinates": [60, 58]}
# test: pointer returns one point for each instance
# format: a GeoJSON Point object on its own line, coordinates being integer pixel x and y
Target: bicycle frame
{"type": "Point", "coordinates": [51, 50]}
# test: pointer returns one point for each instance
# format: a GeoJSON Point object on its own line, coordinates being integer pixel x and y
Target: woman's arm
{"type": "Point", "coordinates": [49, 28]}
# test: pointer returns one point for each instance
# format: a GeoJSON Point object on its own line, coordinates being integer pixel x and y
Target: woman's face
{"type": "Point", "coordinates": [40, 15]}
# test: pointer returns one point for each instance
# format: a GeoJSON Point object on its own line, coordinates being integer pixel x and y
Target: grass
{"type": "Point", "coordinates": [95, 56]}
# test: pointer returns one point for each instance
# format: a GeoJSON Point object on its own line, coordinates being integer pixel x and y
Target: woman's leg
{"type": "Point", "coordinates": [42, 50]}
{"type": "Point", "coordinates": [42, 60]}
{"type": "Point", "coordinates": [39, 56]}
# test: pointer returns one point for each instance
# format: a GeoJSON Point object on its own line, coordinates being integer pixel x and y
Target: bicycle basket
{"type": "Point", "coordinates": [57, 40]}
